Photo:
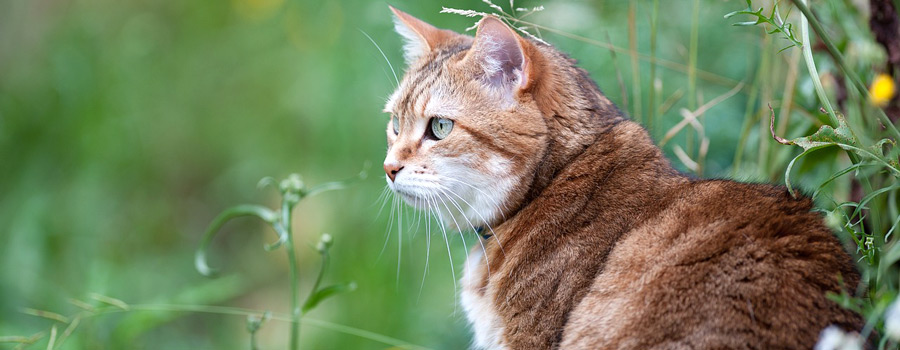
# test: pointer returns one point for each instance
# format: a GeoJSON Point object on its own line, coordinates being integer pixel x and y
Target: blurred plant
{"type": "Point", "coordinates": [103, 305]}
{"type": "Point", "coordinates": [292, 190]}
{"type": "Point", "coordinates": [870, 218]}
{"type": "Point", "coordinates": [100, 304]}
{"type": "Point", "coordinates": [254, 322]}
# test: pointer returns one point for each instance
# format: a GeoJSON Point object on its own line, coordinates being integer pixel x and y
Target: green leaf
{"type": "Point", "coordinates": [786, 47]}
{"type": "Point", "coordinates": [837, 175]}
{"type": "Point", "coordinates": [109, 301]}
{"type": "Point", "coordinates": [892, 256]}
{"type": "Point", "coordinates": [787, 172]}
{"type": "Point", "coordinates": [865, 200]}
{"type": "Point", "coordinates": [325, 293]}
{"type": "Point", "coordinates": [13, 339]}
{"type": "Point", "coordinates": [23, 340]}
{"type": "Point", "coordinates": [887, 236]}
{"type": "Point", "coordinates": [46, 314]}
{"type": "Point", "coordinates": [777, 24]}
{"type": "Point", "coordinates": [828, 136]}
{"type": "Point", "coordinates": [67, 332]}
{"type": "Point", "coordinates": [878, 147]}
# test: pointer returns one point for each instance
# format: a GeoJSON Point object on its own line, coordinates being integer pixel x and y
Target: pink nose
{"type": "Point", "coordinates": [391, 169]}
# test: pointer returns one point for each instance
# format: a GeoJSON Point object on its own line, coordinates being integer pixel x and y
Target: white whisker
{"type": "Point", "coordinates": [493, 202]}
{"type": "Point", "coordinates": [483, 250]}
{"type": "Point", "coordinates": [458, 228]}
{"type": "Point", "coordinates": [427, 243]}
{"type": "Point", "coordinates": [385, 192]}
{"type": "Point", "coordinates": [449, 253]}
{"type": "Point", "coordinates": [387, 235]}
{"type": "Point", "coordinates": [399, 242]}
{"type": "Point", "coordinates": [499, 243]}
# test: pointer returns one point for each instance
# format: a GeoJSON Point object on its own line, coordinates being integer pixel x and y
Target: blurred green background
{"type": "Point", "coordinates": [126, 126]}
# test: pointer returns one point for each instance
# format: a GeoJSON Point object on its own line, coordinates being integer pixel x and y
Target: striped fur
{"type": "Point", "coordinates": [598, 243]}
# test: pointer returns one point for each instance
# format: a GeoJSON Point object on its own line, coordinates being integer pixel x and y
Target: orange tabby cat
{"type": "Point", "coordinates": [591, 239]}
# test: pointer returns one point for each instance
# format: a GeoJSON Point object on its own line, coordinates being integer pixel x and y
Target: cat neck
{"type": "Point", "coordinates": [620, 179]}
{"type": "Point", "coordinates": [578, 116]}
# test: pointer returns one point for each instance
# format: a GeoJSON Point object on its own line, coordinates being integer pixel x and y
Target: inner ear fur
{"type": "Point", "coordinates": [505, 58]}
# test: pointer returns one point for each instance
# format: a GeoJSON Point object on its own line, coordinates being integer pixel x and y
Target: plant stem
{"type": "Point", "coordinates": [692, 98]}
{"type": "Point", "coordinates": [692, 57]}
{"type": "Point", "coordinates": [805, 20]}
{"type": "Point", "coordinates": [635, 67]}
{"type": "Point", "coordinates": [839, 60]}
{"type": "Point", "coordinates": [811, 65]}
{"type": "Point", "coordinates": [748, 122]}
{"type": "Point", "coordinates": [286, 207]}
{"type": "Point", "coordinates": [765, 95]}
{"type": "Point", "coordinates": [654, 21]}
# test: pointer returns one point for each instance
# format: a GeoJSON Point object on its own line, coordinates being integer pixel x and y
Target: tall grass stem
{"type": "Point", "coordinates": [654, 27]}
{"type": "Point", "coordinates": [295, 278]}
{"type": "Point", "coordinates": [635, 66]}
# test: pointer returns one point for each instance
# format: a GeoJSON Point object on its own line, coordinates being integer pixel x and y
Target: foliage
{"type": "Point", "coordinates": [869, 220]}
{"type": "Point", "coordinates": [292, 189]}
{"type": "Point", "coordinates": [774, 20]}
{"type": "Point", "coordinates": [125, 125]}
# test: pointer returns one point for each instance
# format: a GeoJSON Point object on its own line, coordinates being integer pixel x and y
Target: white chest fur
{"type": "Point", "coordinates": [479, 305]}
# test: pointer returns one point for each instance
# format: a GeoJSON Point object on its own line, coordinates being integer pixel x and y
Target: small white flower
{"type": "Point", "coordinates": [892, 320]}
{"type": "Point", "coordinates": [467, 13]}
{"type": "Point", "coordinates": [324, 242]}
{"type": "Point", "coordinates": [833, 338]}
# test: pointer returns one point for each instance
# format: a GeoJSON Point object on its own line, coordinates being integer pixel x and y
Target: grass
{"type": "Point", "coordinates": [129, 126]}
{"type": "Point", "coordinates": [292, 190]}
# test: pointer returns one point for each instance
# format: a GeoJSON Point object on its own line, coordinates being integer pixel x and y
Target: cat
{"type": "Point", "coordinates": [591, 239]}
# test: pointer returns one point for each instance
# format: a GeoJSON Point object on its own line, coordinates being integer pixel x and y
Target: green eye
{"type": "Point", "coordinates": [441, 127]}
{"type": "Point", "coordinates": [396, 124]}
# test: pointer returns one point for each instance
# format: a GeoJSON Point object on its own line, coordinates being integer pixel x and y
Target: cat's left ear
{"type": "Point", "coordinates": [501, 55]}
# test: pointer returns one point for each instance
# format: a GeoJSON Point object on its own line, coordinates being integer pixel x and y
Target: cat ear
{"type": "Point", "coordinates": [500, 53]}
{"type": "Point", "coordinates": [419, 37]}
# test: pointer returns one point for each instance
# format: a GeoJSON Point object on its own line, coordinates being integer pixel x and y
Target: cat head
{"type": "Point", "coordinates": [465, 134]}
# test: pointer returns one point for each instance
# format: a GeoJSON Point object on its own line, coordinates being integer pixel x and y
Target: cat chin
{"type": "Point", "coordinates": [413, 201]}
{"type": "Point", "coordinates": [450, 216]}
{"type": "Point", "coordinates": [409, 198]}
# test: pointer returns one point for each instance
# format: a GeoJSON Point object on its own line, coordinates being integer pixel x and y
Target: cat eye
{"type": "Point", "coordinates": [441, 127]}
{"type": "Point", "coordinates": [396, 124]}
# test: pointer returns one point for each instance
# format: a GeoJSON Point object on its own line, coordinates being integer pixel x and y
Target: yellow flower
{"type": "Point", "coordinates": [882, 90]}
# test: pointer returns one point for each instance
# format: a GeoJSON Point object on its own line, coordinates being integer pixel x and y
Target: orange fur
{"type": "Point", "coordinates": [598, 242]}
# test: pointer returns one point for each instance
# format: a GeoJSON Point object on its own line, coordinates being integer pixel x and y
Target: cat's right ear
{"type": "Point", "coordinates": [419, 37]}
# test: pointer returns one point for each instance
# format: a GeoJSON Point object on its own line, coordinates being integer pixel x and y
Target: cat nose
{"type": "Point", "coordinates": [391, 169]}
